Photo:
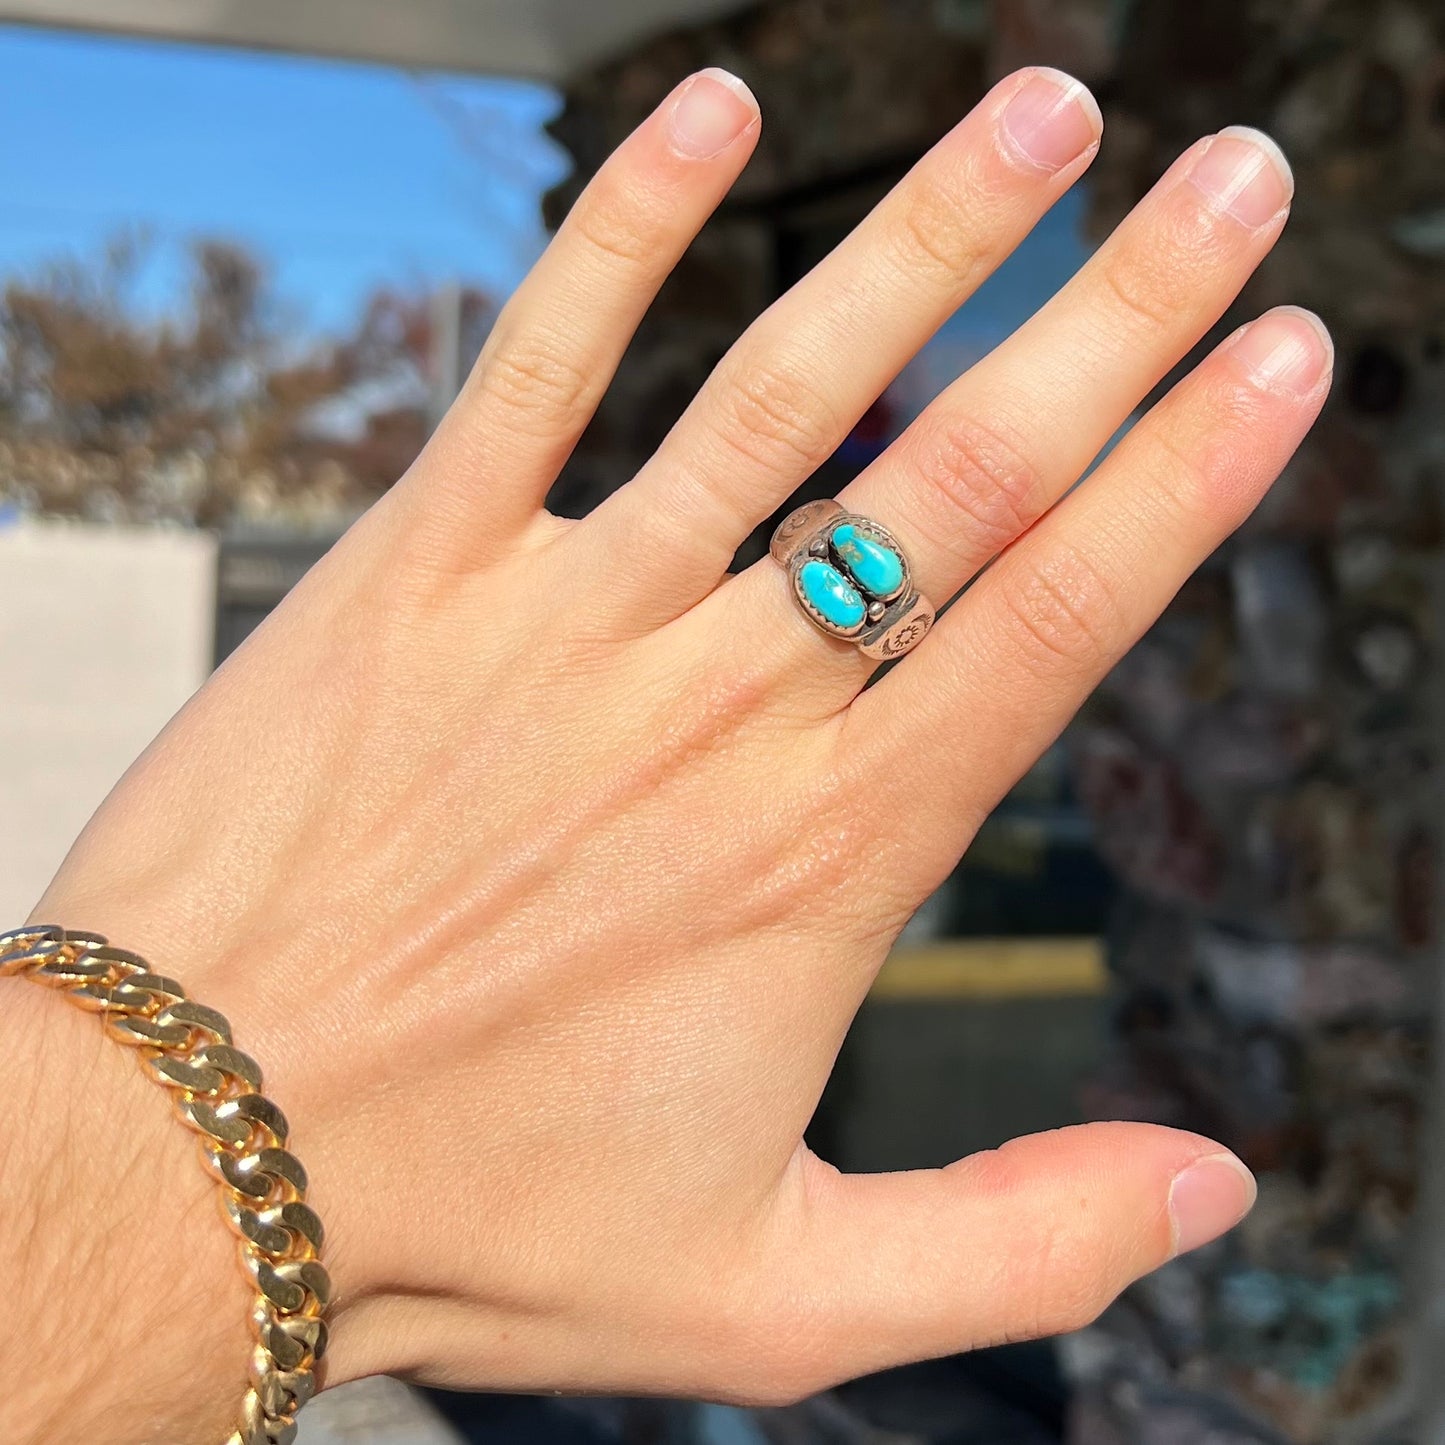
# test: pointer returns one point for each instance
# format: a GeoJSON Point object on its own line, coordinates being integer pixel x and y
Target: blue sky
{"type": "Point", "coordinates": [340, 175]}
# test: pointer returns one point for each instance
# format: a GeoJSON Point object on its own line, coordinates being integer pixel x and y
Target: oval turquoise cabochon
{"type": "Point", "coordinates": [830, 595]}
{"type": "Point", "coordinates": [873, 565]}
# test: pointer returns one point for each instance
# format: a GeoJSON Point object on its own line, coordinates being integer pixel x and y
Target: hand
{"type": "Point", "coordinates": [544, 866]}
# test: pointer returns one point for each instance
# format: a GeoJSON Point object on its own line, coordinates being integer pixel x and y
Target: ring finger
{"type": "Point", "coordinates": [990, 456]}
{"type": "Point", "coordinates": [1011, 662]}
{"type": "Point", "coordinates": [796, 382]}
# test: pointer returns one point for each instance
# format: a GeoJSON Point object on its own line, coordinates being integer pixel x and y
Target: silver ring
{"type": "Point", "coordinates": [851, 579]}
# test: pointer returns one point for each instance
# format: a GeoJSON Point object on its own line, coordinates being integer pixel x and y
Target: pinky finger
{"type": "Point", "coordinates": [1011, 662]}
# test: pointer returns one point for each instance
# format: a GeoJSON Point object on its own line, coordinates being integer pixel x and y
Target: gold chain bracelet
{"type": "Point", "coordinates": [217, 1091]}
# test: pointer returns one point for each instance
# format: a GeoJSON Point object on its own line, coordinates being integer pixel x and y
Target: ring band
{"type": "Point", "coordinates": [851, 579]}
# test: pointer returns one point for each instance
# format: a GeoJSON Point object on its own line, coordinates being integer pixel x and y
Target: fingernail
{"type": "Point", "coordinates": [711, 111]}
{"type": "Point", "coordinates": [1052, 119]}
{"type": "Point", "coordinates": [1244, 174]}
{"type": "Point", "coordinates": [1287, 349]}
{"type": "Point", "coordinates": [1209, 1197]}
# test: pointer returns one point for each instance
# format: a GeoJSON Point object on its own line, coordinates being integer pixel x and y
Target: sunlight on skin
{"type": "Point", "coordinates": [544, 866]}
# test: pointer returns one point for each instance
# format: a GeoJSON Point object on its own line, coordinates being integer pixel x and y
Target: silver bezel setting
{"type": "Point", "coordinates": [891, 625]}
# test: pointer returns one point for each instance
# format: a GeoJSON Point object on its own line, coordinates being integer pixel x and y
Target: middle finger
{"type": "Point", "coordinates": [796, 382]}
{"type": "Point", "coordinates": [1001, 445]}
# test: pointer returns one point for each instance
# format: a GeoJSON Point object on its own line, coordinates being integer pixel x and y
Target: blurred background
{"type": "Point", "coordinates": [247, 252]}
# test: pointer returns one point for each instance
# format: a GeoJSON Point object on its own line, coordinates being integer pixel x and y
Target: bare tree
{"type": "Point", "coordinates": [210, 410]}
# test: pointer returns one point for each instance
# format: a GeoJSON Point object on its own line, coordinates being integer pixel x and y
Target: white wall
{"type": "Point", "coordinates": [104, 633]}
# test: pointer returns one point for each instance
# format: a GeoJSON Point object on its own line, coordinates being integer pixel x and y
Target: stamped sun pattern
{"type": "Point", "coordinates": [907, 636]}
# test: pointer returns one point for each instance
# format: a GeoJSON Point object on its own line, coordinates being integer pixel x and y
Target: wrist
{"type": "Point", "coordinates": [160, 1155]}
{"type": "Point", "coordinates": [113, 1239]}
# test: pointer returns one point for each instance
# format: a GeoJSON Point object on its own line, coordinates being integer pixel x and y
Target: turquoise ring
{"type": "Point", "coordinates": [851, 579]}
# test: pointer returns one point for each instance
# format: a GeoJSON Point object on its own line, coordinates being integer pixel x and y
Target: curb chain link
{"type": "Point", "coordinates": [216, 1089]}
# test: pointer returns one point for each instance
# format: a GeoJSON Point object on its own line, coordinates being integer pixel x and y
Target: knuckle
{"type": "Point", "coordinates": [1209, 469]}
{"type": "Point", "coordinates": [930, 237]}
{"type": "Point", "coordinates": [775, 420]}
{"type": "Point", "coordinates": [1189, 473]}
{"type": "Point", "coordinates": [979, 473]}
{"type": "Point", "coordinates": [536, 386]}
{"type": "Point", "coordinates": [1068, 1290]}
{"type": "Point", "coordinates": [1139, 289]}
{"type": "Point", "coordinates": [1058, 1280]}
{"type": "Point", "coordinates": [1061, 615]}
{"type": "Point", "coordinates": [1056, 1296]}
{"type": "Point", "coordinates": [1156, 275]}
{"type": "Point", "coordinates": [618, 227]}
{"type": "Point", "coordinates": [1071, 1301]}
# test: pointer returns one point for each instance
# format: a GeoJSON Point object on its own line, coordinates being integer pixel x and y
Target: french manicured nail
{"type": "Point", "coordinates": [1244, 174]}
{"type": "Point", "coordinates": [1052, 119]}
{"type": "Point", "coordinates": [711, 111]}
{"type": "Point", "coordinates": [1209, 1197]}
{"type": "Point", "coordinates": [1287, 349]}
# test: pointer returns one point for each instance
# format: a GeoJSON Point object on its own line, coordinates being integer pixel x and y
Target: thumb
{"type": "Point", "coordinates": [1035, 1238]}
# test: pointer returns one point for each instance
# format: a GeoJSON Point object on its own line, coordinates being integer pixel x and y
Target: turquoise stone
{"type": "Point", "coordinates": [829, 593]}
{"type": "Point", "coordinates": [875, 567]}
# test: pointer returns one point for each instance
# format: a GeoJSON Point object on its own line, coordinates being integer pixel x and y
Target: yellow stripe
{"type": "Point", "coordinates": [995, 968]}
